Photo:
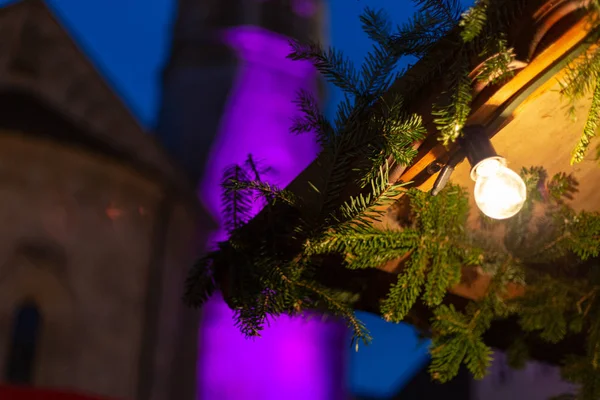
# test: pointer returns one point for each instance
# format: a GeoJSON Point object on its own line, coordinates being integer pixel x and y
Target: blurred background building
{"type": "Point", "coordinates": [97, 226]}
{"type": "Point", "coordinates": [117, 118]}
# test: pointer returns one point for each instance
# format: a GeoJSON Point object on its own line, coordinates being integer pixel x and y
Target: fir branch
{"type": "Point", "coordinates": [580, 370]}
{"type": "Point", "coordinates": [255, 168]}
{"type": "Point", "coordinates": [457, 339]}
{"type": "Point", "coordinates": [380, 63]}
{"type": "Point", "coordinates": [268, 191]}
{"type": "Point", "coordinates": [438, 254]}
{"type": "Point", "coordinates": [444, 273]}
{"type": "Point", "coordinates": [200, 283]}
{"type": "Point", "coordinates": [237, 205]}
{"type": "Point", "coordinates": [591, 126]}
{"type": "Point", "coordinates": [258, 294]}
{"type": "Point", "coordinates": [501, 16]}
{"type": "Point", "coordinates": [366, 247]}
{"type": "Point", "coordinates": [403, 132]}
{"type": "Point", "coordinates": [451, 118]}
{"type": "Point", "coordinates": [238, 190]}
{"type": "Point", "coordinates": [582, 235]}
{"type": "Point", "coordinates": [431, 23]}
{"type": "Point", "coordinates": [458, 336]}
{"type": "Point", "coordinates": [377, 26]}
{"type": "Point", "coordinates": [582, 75]}
{"type": "Point", "coordinates": [562, 187]}
{"type": "Point", "coordinates": [359, 330]}
{"type": "Point", "coordinates": [425, 211]}
{"type": "Point", "coordinates": [473, 20]}
{"type": "Point", "coordinates": [251, 319]}
{"type": "Point", "coordinates": [333, 305]}
{"type": "Point", "coordinates": [518, 227]}
{"type": "Point", "coordinates": [376, 71]}
{"type": "Point", "coordinates": [403, 295]}
{"type": "Point", "coordinates": [518, 354]}
{"type": "Point", "coordinates": [395, 139]}
{"type": "Point", "coordinates": [353, 138]}
{"type": "Point", "coordinates": [448, 11]}
{"type": "Point", "coordinates": [545, 309]}
{"type": "Point", "coordinates": [496, 67]}
{"type": "Point", "coordinates": [564, 232]}
{"type": "Point", "coordinates": [330, 63]}
{"type": "Point", "coordinates": [312, 120]}
{"type": "Point", "coordinates": [365, 209]}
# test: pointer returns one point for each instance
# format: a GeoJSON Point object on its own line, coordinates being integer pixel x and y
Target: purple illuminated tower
{"type": "Point", "coordinates": [228, 91]}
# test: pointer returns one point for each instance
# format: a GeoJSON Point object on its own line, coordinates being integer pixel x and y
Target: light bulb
{"type": "Point", "coordinates": [499, 191]}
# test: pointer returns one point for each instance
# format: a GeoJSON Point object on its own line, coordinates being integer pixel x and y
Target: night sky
{"type": "Point", "coordinates": [128, 41]}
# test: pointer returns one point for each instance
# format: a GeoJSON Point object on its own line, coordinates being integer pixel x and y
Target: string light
{"type": "Point", "coordinates": [499, 191]}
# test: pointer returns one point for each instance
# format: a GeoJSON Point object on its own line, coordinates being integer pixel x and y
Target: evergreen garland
{"type": "Point", "coordinates": [583, 75]}
{"type": "Point", "coordinates": [548, 251]}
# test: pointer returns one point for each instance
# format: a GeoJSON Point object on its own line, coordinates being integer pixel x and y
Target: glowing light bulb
{"type": "Point", "coordinates": [499, 191]}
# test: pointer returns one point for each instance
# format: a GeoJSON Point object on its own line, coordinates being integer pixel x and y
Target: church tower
{"type": "Point", "coordinates": [203, 66]}
{"type": "Point", "coordinates": [228, 91]}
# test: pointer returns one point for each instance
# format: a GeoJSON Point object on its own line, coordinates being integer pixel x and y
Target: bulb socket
{"type": "Point", "coordinates": [476, 145]}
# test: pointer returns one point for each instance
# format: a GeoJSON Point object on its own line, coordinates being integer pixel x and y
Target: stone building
{"type": "Point", "coordinates": [98, 228]}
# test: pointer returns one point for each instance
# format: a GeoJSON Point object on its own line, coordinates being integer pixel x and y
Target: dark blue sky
{"type": "Point", "coordinates": [128, 41]}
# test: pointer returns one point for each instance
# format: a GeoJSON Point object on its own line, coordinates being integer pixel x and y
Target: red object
{"type": "Point", "coordinates": [31, 393]}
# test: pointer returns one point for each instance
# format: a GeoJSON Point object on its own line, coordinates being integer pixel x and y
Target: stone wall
{"type": "Point", "coordinates": [76, 237]}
